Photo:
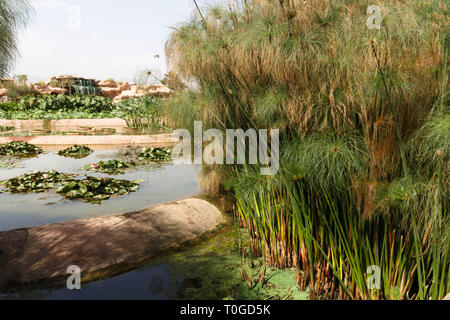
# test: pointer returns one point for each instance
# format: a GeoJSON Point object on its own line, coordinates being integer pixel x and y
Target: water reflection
{"type": "Point", "coordinates": [152, 283]}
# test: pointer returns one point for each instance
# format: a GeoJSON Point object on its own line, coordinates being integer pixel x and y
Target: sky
{"type": "Point", "coordinates": [99, 39]}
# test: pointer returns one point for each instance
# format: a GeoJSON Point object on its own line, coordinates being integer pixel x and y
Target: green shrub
{"type": "Point", "coordinates": [141, 113]}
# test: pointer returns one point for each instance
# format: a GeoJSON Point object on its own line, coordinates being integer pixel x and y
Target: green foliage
{"type": "Point", "coordinates": [141, 113]}
{"type": "Point", "coordinates": [95, 190]}
{"type": "Point", "coordinates": [346, 102]}
{"type": "Point", "coordinates": [430, 146]}
{"type": "Point", "coordinates": [63, 102]}
{"type": "Point", "coordinates": [111, 166]}
{"type": "Point", "coordinates": [329, 162]}
{"type": "Point", "coordinates": [76, 151]}
{"type": "Point", "coordinates": [155, 154]}
{"type": "Point", "coordinates": [6, 128]}
{"type": "Point", "coordinates": [59, 107]}
{"type": "Point", "coordinates": [35, 182]}
{"type": "Point", "coordinates": [182, 109]}
{"type": "Point", "coordinates": [19, 149]}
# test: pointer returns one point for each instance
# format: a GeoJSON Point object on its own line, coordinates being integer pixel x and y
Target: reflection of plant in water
{"type": "Point", "coordinates": [19, 149]}
{"type": "Point", "coordinates": [94, 189]}
{"type": "Point", "coordinates": [6, 128]}
{"type": "Point", "coordinates": [35, 182]}
{"type": "Point", "coordinates": [76, 151]}
{"type": "Point", "coordinates": [8, 164]}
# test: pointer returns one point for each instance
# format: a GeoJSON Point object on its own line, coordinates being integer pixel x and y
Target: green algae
{"type": "Point", "coordinates": [212, 270]}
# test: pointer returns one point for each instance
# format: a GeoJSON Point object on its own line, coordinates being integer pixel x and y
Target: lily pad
{"type": "Point", "coordinates": [95, 190]}
{"type": "Point", "coordinates": [76, 151]}
{"type": "Point", "coordinates": [155, 154]}
{"type": "Point", "coordinates": [35, 182]}
{"type": "Point", "coordinates": [19, 149]}
{"type": "Point", "coordinates": [110, 166]}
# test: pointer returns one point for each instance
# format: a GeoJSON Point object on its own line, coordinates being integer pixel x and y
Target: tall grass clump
{"type": "Point", "coordinates": [142, 113]}
{"type": "Point", "coordinates": [363, 119]}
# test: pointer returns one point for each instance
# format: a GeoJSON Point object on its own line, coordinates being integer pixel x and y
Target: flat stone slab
{"type": "Point", "coordinates": [92, 140]}
{"type": "Point", "coordinates": [64, 123]}
{"type": "Point", "coordinates": [43, 254]}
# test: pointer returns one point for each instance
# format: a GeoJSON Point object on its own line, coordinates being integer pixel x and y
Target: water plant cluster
{"type": "Point", "coordinates": [92, 189]}
{"type": "Point", "coordinates": [113, 166]}
{"type": "Point", "coordinates": [19, 149]}
{"type": "Point", "coordinates": [155, 154]}
{"type": "Point", "coordinates": [89, 189]}
{"type": "Point", "coordinates": [76, 151]}
{"type": "Point", "coordinates": [35, 182]}
{"type": "Point", "coordinates": [132, 158]}
{"type": "Point", "coordinates": [363, 117]}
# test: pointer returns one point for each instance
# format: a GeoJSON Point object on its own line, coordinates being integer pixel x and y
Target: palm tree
{"type": "Point", "coordinates": [13, 16]}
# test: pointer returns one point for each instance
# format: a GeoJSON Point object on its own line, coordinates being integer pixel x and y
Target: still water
{"type": "Point", "coordinates": [161, 184]}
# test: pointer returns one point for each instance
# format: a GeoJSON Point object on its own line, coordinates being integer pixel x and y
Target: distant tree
{"type": "Point", "coordinates": [21, 79]}
{"type": "Point", "coordinates": [14, 14]}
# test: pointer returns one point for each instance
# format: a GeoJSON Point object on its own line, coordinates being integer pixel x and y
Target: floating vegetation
{"type": "Point", "coordinates": [35, 182]}
{"type": "Point", "coordinates": [21, 149]}
{"type": "Point", "coordinates": [76, 151]}
{"type": "Point", "coordinates": [111, 166]}
{"type": "Point", "coordinates": [155, 154]}
{"type": "Point", "coordinates": [95, 190]}
{"type": "Point", "coordinates": [6, 128]}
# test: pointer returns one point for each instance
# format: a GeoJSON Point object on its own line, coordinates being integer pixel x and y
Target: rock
{"type": "Point", "coordinates": [125, 86]}
{"type": "Point", "coordinates": [125, 95]}
{"type": "Point", "coordinates": [101, 246]}
{"type": "Point", "coordinates": [3, 92]}
{"type": "Point", "coordinates": [134, 89]}
{"type": "Point", "coordinates": [110, 92]}
{"type": "Point", "coordinates": [107, 84]}
{"type": "Point", "coordinates": [54, 90]}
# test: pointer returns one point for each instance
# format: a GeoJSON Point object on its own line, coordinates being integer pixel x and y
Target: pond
{"type": "Point", "coordinates": [210, 269]}
{"type": "Point", "coordinates": [164, 183]}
